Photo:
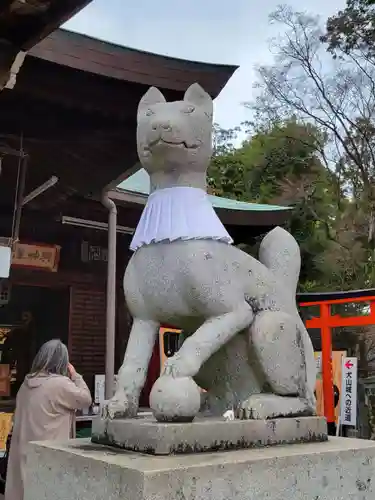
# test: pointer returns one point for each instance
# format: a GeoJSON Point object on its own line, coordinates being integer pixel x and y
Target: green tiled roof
{"type": "Point", "coordinates": [140, 183]}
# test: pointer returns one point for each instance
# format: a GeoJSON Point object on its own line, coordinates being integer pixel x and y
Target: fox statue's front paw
{"type": "Point", "coordinates": [181, 366]}
{"type": "Point", "coordinates": [120, 406]}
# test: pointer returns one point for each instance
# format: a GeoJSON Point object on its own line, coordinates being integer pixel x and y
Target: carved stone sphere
{"type": "Point", "coordinates": [175, 399]}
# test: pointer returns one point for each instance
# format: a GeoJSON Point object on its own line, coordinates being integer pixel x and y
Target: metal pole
{"type": "Point", "coordinates": [111, 297]}
{"type": "Point", "coordinates": [19, 198]}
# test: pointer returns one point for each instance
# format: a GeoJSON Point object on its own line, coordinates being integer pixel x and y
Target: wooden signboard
{"type": "Point", "coordinates": [36, 256]}
{"type": "Point", "coordinates": [6, 420]}
{"type": "Point", "coordinates": [348, 414]}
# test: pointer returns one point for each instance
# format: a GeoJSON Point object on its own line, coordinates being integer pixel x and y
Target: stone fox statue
{"type": "Point", "coordinates": [245, 342]}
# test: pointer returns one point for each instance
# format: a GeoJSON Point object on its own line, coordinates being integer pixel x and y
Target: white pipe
{"type": "Point", "coordinates": [111, 298]}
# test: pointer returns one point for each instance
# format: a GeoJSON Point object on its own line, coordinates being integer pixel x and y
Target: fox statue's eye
{"type": "Point", "coordinates": [188, 109]}
{"type": "Point", "coordinates": [149, 112]}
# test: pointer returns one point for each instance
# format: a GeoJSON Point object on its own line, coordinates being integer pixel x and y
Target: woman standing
{"type": "Point", "coordinates": [45, 407]}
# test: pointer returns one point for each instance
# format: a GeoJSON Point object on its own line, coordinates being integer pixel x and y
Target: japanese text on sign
{"type": "Point", "coordinates": [349, 392]}
{"type": "Point", "coordinates": [36, 256]}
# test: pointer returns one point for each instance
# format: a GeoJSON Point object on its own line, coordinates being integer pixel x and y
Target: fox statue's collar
{"type": "Point", "coordinates": [178, 213]}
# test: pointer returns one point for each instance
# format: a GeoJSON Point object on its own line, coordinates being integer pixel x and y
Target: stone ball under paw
{"type": "Point", "coordinates": [175, 399]}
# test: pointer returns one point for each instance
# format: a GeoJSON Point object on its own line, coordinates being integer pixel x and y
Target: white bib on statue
{"type": "Point", "coordinates": [178, 213]}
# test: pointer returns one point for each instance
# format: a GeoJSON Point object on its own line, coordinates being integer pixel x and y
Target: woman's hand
{"type": "Point", "coordinates": [71, 371]}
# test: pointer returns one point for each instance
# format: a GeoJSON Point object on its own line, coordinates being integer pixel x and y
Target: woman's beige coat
{"type": "Point", "coordinates": [44, 412]}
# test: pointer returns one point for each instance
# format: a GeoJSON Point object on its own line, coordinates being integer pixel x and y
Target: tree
{"type": "Point", "coordinates": [280, 166]}
{"type": "Point", "coordinates": [352, 29]}
{"type": "Point", "coordinates": [225, 177]}
{"type": "Point", "coordinates": [336, 96]}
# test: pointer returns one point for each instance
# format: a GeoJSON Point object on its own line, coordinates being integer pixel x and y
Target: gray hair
{"type": "Point", "coordinates": [52, 358]}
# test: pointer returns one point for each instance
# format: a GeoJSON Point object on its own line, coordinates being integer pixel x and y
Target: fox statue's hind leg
{"type": "Point", "coordinates": [278, 343]}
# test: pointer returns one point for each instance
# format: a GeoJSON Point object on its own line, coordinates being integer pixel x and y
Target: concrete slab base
{"type": "Point", "coordinates": [206, 434]}
{"type": "Point", "coordinates": [337, 469]}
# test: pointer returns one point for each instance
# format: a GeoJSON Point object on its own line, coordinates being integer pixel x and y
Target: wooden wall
{"type": "Point", "coordinates": [85, 282]}
{"type": "Point", "coordinates": [87, 329]}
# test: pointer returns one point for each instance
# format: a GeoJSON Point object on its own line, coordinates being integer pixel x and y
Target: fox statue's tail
{"type": "Point", "coordinates": [280, 253]}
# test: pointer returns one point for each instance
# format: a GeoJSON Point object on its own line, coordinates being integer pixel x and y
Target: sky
{"type": "Point", "coordinates": [218, 31]}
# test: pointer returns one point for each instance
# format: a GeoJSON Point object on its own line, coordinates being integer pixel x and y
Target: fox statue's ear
{"type": "Point", "coordinates": [152, 96]}
{"type": "Point", "coordinates": [199, 97]}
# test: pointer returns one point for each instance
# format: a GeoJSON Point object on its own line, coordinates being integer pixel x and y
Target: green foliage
{"type": "Point", "coordinates": [281, 166]}
{"type": "Point", "coordinates": [312, 147]}
{"type": "Point", "coordinates": [352, 28]}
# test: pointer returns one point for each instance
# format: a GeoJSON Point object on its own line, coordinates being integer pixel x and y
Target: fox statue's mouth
{"type": "Point", "coordinates": [177, 144]}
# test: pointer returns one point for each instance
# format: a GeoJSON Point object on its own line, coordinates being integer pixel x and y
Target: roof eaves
{"type": "Point", "coordinates": [123, 48]}
{"type": "Point", "coordinates": [91, 55]}
{"type": "Point", "coordinates": [217, 202]}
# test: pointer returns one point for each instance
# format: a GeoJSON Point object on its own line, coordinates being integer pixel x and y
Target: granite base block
{"type": "Point", "coordinates": [337, 469]}
{"type": "Point", "coordinates": [146, 435]}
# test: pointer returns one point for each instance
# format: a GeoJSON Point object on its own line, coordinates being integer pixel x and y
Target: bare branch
{"type": "Point", "coordinates": [336, 95]}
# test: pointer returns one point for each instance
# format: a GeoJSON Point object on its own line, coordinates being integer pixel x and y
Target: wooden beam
{"type": "Point", "coordinates": [337, 321]}
{"type": "Point", "coordinates": [343, 296]}
{"type": "Point", "coordinates": [59, 14]}
{"type": "Point", "coordinates": [338, 301]}
{"type": "Point", "coordinates": [11, 60]}
{"type": "Point", "coordinates": [25, 23]}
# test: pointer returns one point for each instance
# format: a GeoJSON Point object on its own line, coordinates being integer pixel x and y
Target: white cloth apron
{"type": "Point", "coordinates": [178, 213]}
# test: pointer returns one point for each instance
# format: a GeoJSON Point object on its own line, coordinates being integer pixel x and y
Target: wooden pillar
{"type": "Point", "coordinates": [328, 395]}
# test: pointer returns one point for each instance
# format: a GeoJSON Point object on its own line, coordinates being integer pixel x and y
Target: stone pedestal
{"type": "Point", "coordinates": [146, 435]}
{"type": "Point", "coordinates": [79, 470]}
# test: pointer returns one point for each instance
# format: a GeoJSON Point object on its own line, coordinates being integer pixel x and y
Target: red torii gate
{"type": "Point", "coordinates": [325, 322]}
